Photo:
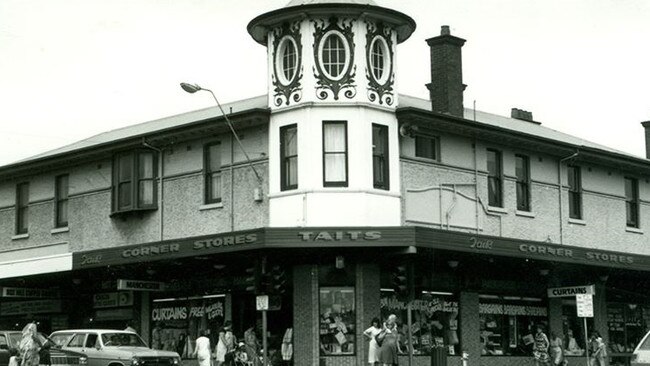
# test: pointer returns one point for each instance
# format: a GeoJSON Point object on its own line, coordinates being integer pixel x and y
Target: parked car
{"type": "Point", "coordinates": [105, 347]}
{"type": "Point", "coordinates": [50, 354]}
{"type": "Point", "coordinates": [641, 354]}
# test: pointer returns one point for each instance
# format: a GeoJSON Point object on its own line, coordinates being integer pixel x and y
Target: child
{"type": "Point", "coordinates": [13, 359]}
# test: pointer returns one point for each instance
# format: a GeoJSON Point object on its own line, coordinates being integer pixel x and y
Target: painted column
{"type": "Point", "coordinates": [305, 315]}
{"type": "Point", "coordinates": [368, 293]}
{"type": "Point", "coordinates": [470, 326]}
{"type": "Point", "coordinates": [555, 316]}
{"type": "Point", "coordinates": [145, 311]}
{"type": "Point", "coordinates": [600, 313]}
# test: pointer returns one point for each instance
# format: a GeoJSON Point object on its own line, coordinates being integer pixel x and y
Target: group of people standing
{"type": "Point", "coordinates": [226, 344]}
{"type": "Point", "coordinates": [550, 351]}
{"type": "Point", "coordinates": [383, 346]}
{"type": "Point", "coordinates": [28, 350]}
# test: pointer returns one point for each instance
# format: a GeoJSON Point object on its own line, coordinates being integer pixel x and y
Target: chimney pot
{"type": "Point", "coordinates": [444, 30]}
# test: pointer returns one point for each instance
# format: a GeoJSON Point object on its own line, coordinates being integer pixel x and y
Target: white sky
{"type": "Point", "coordinates": [70, 69]}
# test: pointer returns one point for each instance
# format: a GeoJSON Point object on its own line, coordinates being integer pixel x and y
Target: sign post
{"type": "Point", "coordinates": [262, 303]}
{"type": "Point", "coordinates": [585, 308]}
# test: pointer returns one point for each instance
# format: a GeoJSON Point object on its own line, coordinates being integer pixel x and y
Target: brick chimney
{"type": "Point", "coordinates": [523, 115]}
{"type": "Point", "coordinates": [646, 127]}
{"type": "Point", "coordinates": [446, 87]}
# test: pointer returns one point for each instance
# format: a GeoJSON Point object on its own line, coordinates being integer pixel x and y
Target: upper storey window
{"type": "Point", "coordinates": [495, 187]}
{"type": "Point", "coordinates": [289, 157]}
{"type": "Point", "coordinates": [380, 156]}
{"type": "Point", "coordinates": [632, 202]}
{"type": "Point", "coordinates": [379, 59]}
{"type": "Point", "coordinates": [335, 154]}
{"type": "Point", "coordinates": [575, 192]}
{"type": "Point", "coordinates": [22, 207]}
{"type": "Point", "coordinates": [287, 60]}
{"type": "Point", "coordinates": [212, 172]}
{"type": "Point", "coordinates": [134, 175]}
{"type": "Point", "coordinates": [335, 55]}
{"type": "Point", "coordinates": [61, 188]}
{"type": "Point", "coordinates": [522, 172]}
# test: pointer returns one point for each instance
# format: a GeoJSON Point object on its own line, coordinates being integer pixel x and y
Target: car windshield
{"type": "Point", "coordinates": [122, 339]}
{"type": "Point", "coordinates": [15, 339]}
{"type": "Point", "coordinates": [60, 339]}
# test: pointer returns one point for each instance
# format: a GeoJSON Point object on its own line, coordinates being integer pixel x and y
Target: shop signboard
{"type": "Point", "coordinates": [571, 291]}
{"type": "Point", "coordinates": [112, 299]}
{"type": "Point", "coordinates": [137, 285]}
{"type": "Point", "coordinates": [24, 292]}
{"type": "Point", "coordinates": [585, 305]}
{"type": "Point", "coordinates": [30, 307]}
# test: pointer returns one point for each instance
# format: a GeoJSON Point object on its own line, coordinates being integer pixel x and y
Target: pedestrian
{"type": "Point", "coordinates": [373, 347]}
{"type": "Point", "coordinates": [156, 336]}
{"type": "Point", "coordinates": [252, 346]}
{"type": "Point", "coordinates": [557, 354]}
{"type": "Point", "coordinates": [14, 359]}
{"type": "Point", "coordinates": [387, 339]}
{"type": "Point", "coordinates": [202, 351]}
{"type": "Point", "coordinates": [225, 344]}
{"type": "Point", "coordinates": [598, 349]}
{"type": "Point", "coordinates": [29, 346]}
{"type": "Point", "coordinates": [129, 328]}
{"type": "Point", "coordinates": [540, 347]}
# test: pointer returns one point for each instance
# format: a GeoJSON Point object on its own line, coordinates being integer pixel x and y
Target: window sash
{"type": "Point", "coordinates": [335, 156]}
{"type": "Point", "coordinates": [631, 202]}
{"type": "Point", "coordinates": [22, 208]}
{"type": "Point", "coordinates": [522, 172]}
{"type": "Point", "coordinates": [380, 157]}
{"type": "Point", "coordinates": [426, 147]}
{"type": "Point", "coordinates": [135, 181]}
{"type": "Point", "coordinates": [495, 189]}
{"type": "Point", "coordinates": [575, 192]}
{"type": "Point", "coordinates": [289, 157]}
{"type": "Point", "coordinates": [61, 192]}
{"type": "Point", "coordinates": [212, 172]}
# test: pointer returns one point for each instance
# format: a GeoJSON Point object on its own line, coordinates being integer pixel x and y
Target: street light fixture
{"type": "Point", "coordinates": [193, 88]}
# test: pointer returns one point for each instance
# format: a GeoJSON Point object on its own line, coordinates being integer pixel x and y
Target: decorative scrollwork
{"type": "Point", "coordinates": [326, 84]}
{"type": "Point", "coordinates": [285, 92]}
{"type": "Point", "coordinates": [380, 91]}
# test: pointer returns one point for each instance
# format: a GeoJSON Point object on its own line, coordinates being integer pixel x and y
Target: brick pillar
{"type": "Point", "coordinates": [555, 316]}
{"type": "Point", "coordinates": [305, 315]}
{"type": "Point", "coordinates": [600, 313]}
{"type": "Point", "coordinates": [145, 311]}
{"type": "Point", "coordinates": [368, 292]}
{"type": "Point", "coordinates": [470, 327]}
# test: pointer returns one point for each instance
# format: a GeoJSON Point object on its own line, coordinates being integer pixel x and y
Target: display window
{"type": "Point", "coordinates": [337, 320]}
{"type": "Point", "coordinates": [176, 322]}
{"type": "Point", "coordinates": [508, 324]}
{"type": "Point", "coordinates": [434, 321]}
{"type": "Point", "coordinates": [627, 324]}
{"type": "Point", "coordinates": [573, 329]}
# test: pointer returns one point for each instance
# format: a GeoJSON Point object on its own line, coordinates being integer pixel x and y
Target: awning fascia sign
{"type": "Point", "coordinates": [138, 285]}
{"type": "Point", "coordinates": [571, 291]}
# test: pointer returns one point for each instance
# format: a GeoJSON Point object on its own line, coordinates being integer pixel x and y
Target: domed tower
{"type": "Point", "coordinates": [334, 157]}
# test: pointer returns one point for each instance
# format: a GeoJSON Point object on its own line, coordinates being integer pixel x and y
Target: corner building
{"type": "Point", "coordinates": [345, 201]}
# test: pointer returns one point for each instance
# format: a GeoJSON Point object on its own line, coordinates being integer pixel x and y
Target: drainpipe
{"type": "Point", "coordinates": [232, 185]}
{"type": "Point", "coordinates": [161, 173]}
{"type": "Point", "coordinates": [476, 179]}
{"type": "Point", "coordinates": [559, 180]}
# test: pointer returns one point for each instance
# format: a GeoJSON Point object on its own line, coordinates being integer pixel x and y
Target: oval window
{"type": "Point", "coordinates": [334, 55]}
{"type": "Point", "coordinates": [287, 60]}
{"type": "Point", "coordinates": [379, 59]}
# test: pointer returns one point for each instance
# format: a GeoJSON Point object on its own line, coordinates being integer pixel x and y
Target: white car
{"type": "Point", "coordinates": [105, 347]}
{"type": "Point", "coordinates": [641, 354]}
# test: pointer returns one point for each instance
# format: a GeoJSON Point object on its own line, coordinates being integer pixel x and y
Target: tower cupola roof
{"type": "Point", "coordinates": [297, 9]}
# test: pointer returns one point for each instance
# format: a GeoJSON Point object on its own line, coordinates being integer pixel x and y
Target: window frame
{"type": "Point", "coordinates": [575, 193]}
{"type": "Point", "coordinates": [284, 60]}
{"type": "Point", "coordinates": [284, 159]}
{"type": "Point", "coordinates": [340, 288]}
{"type": "Point", "coordinates": [434, 140]}
{"type": "Point", "coordinates": [59, 200]}
{"type": "Point", "coordinates": [498, 178]}
{"type": "Point", "coordinates": [633, 202]}
{"type": "Point", "coordinates": [135, 180]}
{"type": "Point", "coordinates": [327, 67]}
{"type": "Point", "coordinates": [343, 183]}
{"type": "Point", "coordinates": [525, 184]}
{"type": "Point", "coordinates": [22, 208]}
{"type": "Point", "coordinates": [385, 155]}
{"type": "Point", "coordinates": [209, 174]}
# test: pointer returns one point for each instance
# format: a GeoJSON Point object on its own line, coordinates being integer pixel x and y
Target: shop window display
{"type": "Point", "coordinates": [573, 333]}
{"type": "Point", "coordinates": [627, 324]}
{"type": "Point", "coordinates": [507, 324]}
{"type": "Point", "coordinates": [434, 317]}
{"type": "Point", "coordinates": [176, 322]}
{"type": "Point", "coordinates": [337, 320]}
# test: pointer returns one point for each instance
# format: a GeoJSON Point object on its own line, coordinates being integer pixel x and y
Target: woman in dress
{"type": "Point", "coordinates": [29, 346]}
{"type": "Point", "coordinates": [371, 333]}
{"type": "Point", "coordinates": [557, 354]}
{"type": "Point", "coordinates": [540, 348]}
{"type": "Point", "coordinates": [225, 344]}
{"type": "Point", "coordinates": [202, 351]}
{"type": "Point", "coordinates": [388, 338]}
{"type": "Point", "coordinates": [598, 349]}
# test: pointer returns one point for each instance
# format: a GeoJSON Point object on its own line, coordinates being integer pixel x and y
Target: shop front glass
{"type": "Point", "coordinates": [434, 318]}
{"type": "Point", "coordinates": [176, 322]}
{"type": "Point", "coordinates": [508, 323]}
{"type": "Point", "coordinates": [573, 329]}
{"type": "Point", "coordinates": [627, 324]}
{"type": "Point", "coordinates": [337, 321]}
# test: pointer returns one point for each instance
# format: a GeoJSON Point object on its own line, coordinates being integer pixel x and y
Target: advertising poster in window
{"type": "Point", "coordinates": [176, 322]}
{"type": "Point", "coordinates": [434, 322]}
{"type": "Point", "coordinates": [337, 321]}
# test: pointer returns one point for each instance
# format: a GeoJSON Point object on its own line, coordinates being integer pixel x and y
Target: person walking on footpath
{"type": "Point", "coordinates": [373, 347]}
{"type": "Point", "coordinates": [540, 349]}
{"type": "Point", "coordinates": [557, 353]}
{"type": "Point", "coordinates": [387, 340]}
{"type": "Point", "coordinates": [225, 344]}
{"type": "Point", "coordinates": [598, 349]}
{"type": "Point", "coordinates": [29, 346]}
{"type": "Point", "coordinates": [203, 352]}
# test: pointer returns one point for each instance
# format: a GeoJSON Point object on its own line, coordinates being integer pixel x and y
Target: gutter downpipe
{"type": "Point", "coordinates": [161, 174]}
{"type": "Point", "coordinates": [559, 179]}
{"type": "Point", "coordinates": [232, 184]}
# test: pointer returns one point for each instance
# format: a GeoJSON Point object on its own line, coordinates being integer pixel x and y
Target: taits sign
{"type": "Point", "coordinates": [571, 291]}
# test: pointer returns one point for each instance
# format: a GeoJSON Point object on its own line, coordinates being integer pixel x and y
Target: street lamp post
{"type": "Point", "coordinates": [193, 88]}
